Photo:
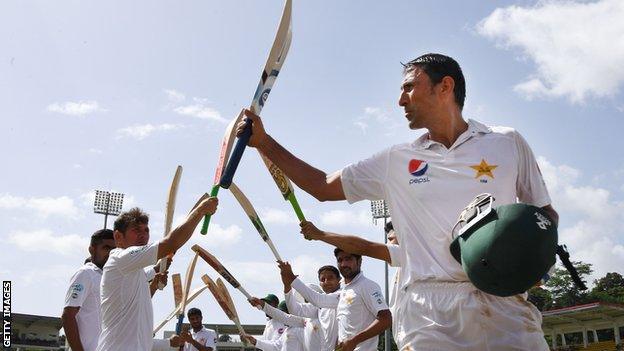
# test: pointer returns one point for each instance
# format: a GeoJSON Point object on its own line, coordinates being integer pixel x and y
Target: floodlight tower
{"type": "Point", "coordinates": [107, 203]}
{"type": "Point", "coordinates": [379, 209]}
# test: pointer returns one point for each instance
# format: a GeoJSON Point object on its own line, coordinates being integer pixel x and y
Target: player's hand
{"type": "Point", "coordinates": [169, 261]}
{"type": "Point", "coordinates": [185, 336]}
{"type": "Point", "coordinates": [175, 341]}
{"type": "Point", "coordinates": [256, 302]}
{"type": "Point", "coordinates": [159, 278]}
{"type": "Point", "coordinates": [310, 231]}
{"type": "Point", "coordinates": [347, 345]}
{"type": "Point", "coordinates": [250, 339]}
{"type": "Point", "coordinates": [258, 134]}
{"type": "Point", "coordinates": [206, 205]}
{"type": "Point", "coordinates": [286, 273]}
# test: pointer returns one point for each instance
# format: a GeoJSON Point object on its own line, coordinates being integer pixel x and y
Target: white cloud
{"type": "Point", "coordinates": [200, 110]}
{"type": "Point", "coordinates": [95, 151]}
{"type": "Point", "coordinates": [591, 222]}
{"type": "Point", "coordinates": [375, 116]}
{"type": "Point", "coordinates": [345, 218]}
{"type": "Point", "coordinates": [576, 46]}
{"type": "Point", "coordinates": [174, 95]}
{"type": "Point", "coordinates": [273, 215]}
{"type": "Point", "coordinates": [221, 236]}
{"type": "Point", "coordinates": [44, 207]}
{"type": "Point", "coordinates": [79, 108]}
{"type": "Point", "coordinates": [142, 131]}
{"type": "Point", "coordinates": [45, 241]}
{"type": "Point", "coordinates": [307, 267]}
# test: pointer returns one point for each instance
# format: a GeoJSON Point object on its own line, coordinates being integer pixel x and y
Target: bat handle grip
{"type": "Point", "coordinates": [237, 153]}
{"type": "Point", "coordinates": [163, 267]}
{"type": "Point", "coordinates": [214, 192]}
{"type": "Point", "coordinates": [179, 324]}
{"type": "Point", "coordinates": [295, 204]}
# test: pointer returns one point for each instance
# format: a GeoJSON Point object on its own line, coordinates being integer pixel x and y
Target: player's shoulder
{"type": "Point", "coordinates": [492, 130]}
{"type": "Point", "coordinates": [369, 284]}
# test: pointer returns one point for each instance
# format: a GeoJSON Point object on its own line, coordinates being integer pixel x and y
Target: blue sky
{"type": "Point", "coordinates": [114, 95]}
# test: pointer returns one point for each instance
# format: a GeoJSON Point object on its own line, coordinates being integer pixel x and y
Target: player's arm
{"type": "Point", "coordinates": [278, 315]}
{"type": "Point", "coordinates": [70, 325]}
{"type": "Point", "coordinates": [299, 309]}
{"type": "Point", "coordinates": [180, 235]}
{"type": "Point", "coordinates": [323, 186]}
{"type": "Point", "coordinates": [317, 299]}
{"type": "Point", "coordinates": [349, 243]}
{"type": "Point", "coordinates": [381, 323]}
{"type": "Point", "coordinates": [188, 338]}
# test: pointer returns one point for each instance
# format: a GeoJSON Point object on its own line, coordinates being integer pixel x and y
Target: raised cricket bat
{"type": "Point", "coordinates": [177, 289]}
{"type": "Point", "coordinates": [253, 216]}
{"type": "Point", "coordinates": [224, 155]}
{"type": "Point", "coordinates": [174, 313]}
{"type": "Point", "coordinates": [272, 67]}
{"type": "Point", "coordinates": [187, 286]}
{"type": "Point", "coordinates": [223, 302]}
{"type": "Point", "coordinates": [169, 211]}
{"type": "Point", "coordinates": [214, 263]}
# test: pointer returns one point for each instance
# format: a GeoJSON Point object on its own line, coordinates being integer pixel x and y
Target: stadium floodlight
{"type": "Point", "coordinates": [379, 209]}
{"type": "Point", "coordinates": [107, 203]}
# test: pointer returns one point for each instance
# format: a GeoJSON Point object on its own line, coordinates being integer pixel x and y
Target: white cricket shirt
{"type": "Point", "coordinates": [84, 292]}
{"type": "Point", "coordinates": [290, 340]}
{"type": "Point", "coordinates": [204, 336]}
{"type": "Point", "coordinates": [357, 305]}
{"type": "Point", "coordinates": [313, 337]}
{"type": "Point", "coordinates": [326, 318]}
{"type": "Point", "coordinates": [127, 315]}
{"type": "Point", "coordinates": [427, 185]}
{"type": "Point", "coordinates": [273, 329]}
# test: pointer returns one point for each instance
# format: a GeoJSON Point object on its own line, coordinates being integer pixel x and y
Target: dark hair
{"type": "Point", "coordinates": [193, 312]}
{"type": "Point", "coordinates": [101, 235]}
{"type": "Point", "coordinates": [339, 250]}
{"type": "Point", "coordinates": [130, 218]}
{"type": "Point", "coordinates": [389, 226]}
{"type": "Point", "coordinates": [438, 66]}
{"type": "Point", "coordinates": [329, 268]}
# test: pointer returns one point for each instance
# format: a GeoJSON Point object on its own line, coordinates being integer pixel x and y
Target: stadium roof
{"type": "Point", "coordinates": [30, 319]}
{"type": "Point", "coordinates": [597, 315]}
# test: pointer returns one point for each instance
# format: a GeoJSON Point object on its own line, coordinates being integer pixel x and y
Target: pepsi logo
{"type": "Point", "coordinates": [418, 168]}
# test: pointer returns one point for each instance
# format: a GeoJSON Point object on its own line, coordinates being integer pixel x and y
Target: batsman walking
{"type": "Point", "coordinates": [426, 183]}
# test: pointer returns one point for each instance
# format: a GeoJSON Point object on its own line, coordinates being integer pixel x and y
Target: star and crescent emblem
{"type": "Point", "coordinates": [484, 169]}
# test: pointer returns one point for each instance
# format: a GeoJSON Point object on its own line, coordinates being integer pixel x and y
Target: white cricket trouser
{"type": "Point", "coordinates": [447, 316]}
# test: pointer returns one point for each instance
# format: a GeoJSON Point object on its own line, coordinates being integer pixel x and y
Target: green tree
{"type": "Point", "coordinates": [540, 297]}
{"type": "Point", "coordinates": [609, 288]}
{"type": "Point", "coordinates": [563, 290]}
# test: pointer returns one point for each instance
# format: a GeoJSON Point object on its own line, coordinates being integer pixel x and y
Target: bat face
{"type": "Point", "coordinates": [214, 263]}
{"type": "Point", "coordinates": [177, 288]}
{"type": "Point", "coordinates": [226, 146]}
{"type": "Point", "coordinates": [214, 289]}
{"type": "Point", "coordinates": [171, 199]}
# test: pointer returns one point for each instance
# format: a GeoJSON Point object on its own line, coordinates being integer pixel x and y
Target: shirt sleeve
{"type": "Point", "coordinates": [79, 287]}
{"type": "Point", "coordinates": [315, 298]}
{"type": "Point", "coordinates": [365, 180]}
{"type": "Point", "coordinates": [162, 345]}
{"type": "Point", "coordinates": [281, 316]}
{"type": "Point", "coordinates": [530, 185]}
{"type": "Point", "coordinates": [300, 309]}
{"type": "Point", "coordinates": [137, 257]}
{"type": "Point", "coordinates": [269, 345]}
{"type": "Point", "coordinates": [150, 272]}
{"type": "Point", "coordinates": [396, 255]}
{"type": "Point", "coordinates": [373, 298]}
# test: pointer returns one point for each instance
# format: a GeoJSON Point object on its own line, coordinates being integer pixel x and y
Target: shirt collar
{"type": "Point", "coordinates": [474, 127]}
{"type": "Point", "coordinates": [354, 280]}
{"type": "Point", "coordinates": [94, 267]}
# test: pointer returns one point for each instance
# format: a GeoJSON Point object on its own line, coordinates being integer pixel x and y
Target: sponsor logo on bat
{"type": "Point", "coordinates": [280, 179]}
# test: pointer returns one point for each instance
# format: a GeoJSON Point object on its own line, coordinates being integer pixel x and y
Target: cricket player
{"type": "Point", "coordinates": [426, 184]}
{"type": "Point", "coordinates": [273, 329]}
{"type": "Point", "coordinates": [200, 338]}
{"type": "Point", "coordinates": [301, 334]}
{"type": "Point", "coordinates": [361, 311]}
{"type": "Point", "coordinates": [127, 315]}
{"type": "Point", "coordinates": [329, 281]}
{"type": "Point", "coordinates": [81, 314]}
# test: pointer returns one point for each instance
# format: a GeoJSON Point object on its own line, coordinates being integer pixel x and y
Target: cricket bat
{"type": "Point", "coordinates": [255, 219]}
{"type": "Point", "coordinates": [174, 313]}
{"type": "Point", "coordinates": [177, 289]}
{"type": "Point", "coordinates": [169, 211]}
{"type": "Point", "coordinates": [214, 263]}
{"type": "Point", "coordinates": [224, 155]}
{"type": "Point", "coordinates": [272, 67]}
{"type": "Point", "coordinates": [223, 301]}
{"type": "Point", "coordinates": [187, 286]}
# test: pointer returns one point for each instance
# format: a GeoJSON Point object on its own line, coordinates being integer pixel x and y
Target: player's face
{"type": "Point", "coordinates": [417, 98]}
{"type": "Point", "coordinates": [195, 321]}
{"type": "Point", "coordinates": [329, 281]}
{"type": "Point", "coordinates": [101, 251]}
{"type": "Point", "coordinates": [348, 265]}
{"type": "Point", "coordinates": [135, 235]}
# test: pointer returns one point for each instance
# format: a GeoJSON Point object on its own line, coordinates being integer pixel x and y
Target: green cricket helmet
{"type": "Point", "coordinates": [504, 250]}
